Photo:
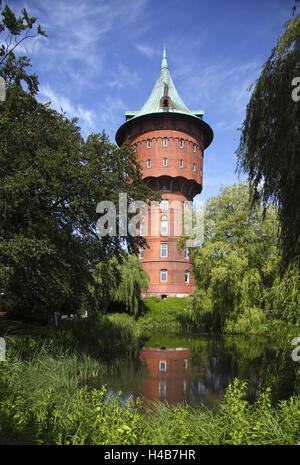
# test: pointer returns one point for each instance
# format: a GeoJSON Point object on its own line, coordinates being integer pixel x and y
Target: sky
{"type": "Point", "coordinates": [102, 58]}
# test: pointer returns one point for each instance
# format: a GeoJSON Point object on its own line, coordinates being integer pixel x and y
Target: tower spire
{"type": "Point", "coordinates": [164, 63]}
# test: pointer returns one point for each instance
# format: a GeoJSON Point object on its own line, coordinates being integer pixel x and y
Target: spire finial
{"type": "Point", "coordinates": [164, 63]}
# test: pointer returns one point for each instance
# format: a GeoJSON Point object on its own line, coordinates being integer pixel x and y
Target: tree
{"type": "Point", "coordinates": [15, 31]}
{"type": "Point", "coordinates": [50, 184]}
{"type": "Point", "coordinates": [270, 139]}
{"type": "Point", "coordinates": [238, 259]}
{"type": "Point", "coordinates": [119, 281]}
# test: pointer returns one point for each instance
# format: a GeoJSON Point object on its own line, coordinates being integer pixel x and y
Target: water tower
{"type": "Point", "coordinates": [170, 141]}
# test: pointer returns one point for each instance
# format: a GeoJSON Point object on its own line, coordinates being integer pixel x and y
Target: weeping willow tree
{"type": "Point", "coordinates": [270, 140]}
{"type": "Point", "coordinates": [119, 281]}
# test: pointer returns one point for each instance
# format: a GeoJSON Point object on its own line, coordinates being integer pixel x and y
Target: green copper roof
{"type": "Point", "coordinates": [164, 86]}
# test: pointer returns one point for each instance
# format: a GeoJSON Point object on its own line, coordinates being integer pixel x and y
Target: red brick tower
{"type": "Point", "coordinates": [170, 140]}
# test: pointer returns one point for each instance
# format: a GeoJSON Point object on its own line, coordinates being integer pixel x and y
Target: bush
{"type": "Point", "coordinates": [251, 321]}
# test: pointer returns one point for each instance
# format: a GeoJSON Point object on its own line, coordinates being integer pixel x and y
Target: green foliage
{"type": "Point", "coordinates": [270, 140]}
{"type": "Point", "coordinates": [252, 320]}
{"type": "Point", "coordinates": [237, 262]}
{"type": "Point", "coordinates": [285, 294]}
{"type": "Point", "coordinates": [119, 281]}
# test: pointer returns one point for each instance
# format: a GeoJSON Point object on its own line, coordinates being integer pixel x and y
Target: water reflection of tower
{"type": "Point", "coordinates": [169, 374]}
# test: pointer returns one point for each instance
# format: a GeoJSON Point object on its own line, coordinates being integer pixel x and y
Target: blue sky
{"type": "Point", "coordinates": [102, 58]}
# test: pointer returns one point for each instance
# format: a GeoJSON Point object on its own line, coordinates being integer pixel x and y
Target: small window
{"type": "Point", "coordinates": [184, 387]}
{"type": "Point", "coordinates": [165, 162]}
{"type": "Point", "coordinates": [148, 163]}
{"type": "Point", "coordinates": [163, 276]}
{"type": "Point", "coordinates": [194, 148]}
{"type": "Point", "coordinates": [164, 228]}
{"type": "Point", "coordinates": [181, 163]}
{"type": "Point", "coordinates": [187, 276]}
{"type": "Point", "coordinates": [165, 141]}
{"type": "Point", "coordinates": [186, 253]}
{"type": "Point", "coordinates": [181, 143]}
{"type": "Point", "coordinates": [201, 172]}
{"type": "Point", "coordinates": [148, 143]}
{"type": "Point", "coordinates": [194, 166]}
{"type": "Point", "coordinates": [162, 366]}
{"type": "Point", "coordinates": [163, 250]}
{"type": "Point", "coordinates": [134, 147]}
{"type": "Point", "coordinates": [141, 254]}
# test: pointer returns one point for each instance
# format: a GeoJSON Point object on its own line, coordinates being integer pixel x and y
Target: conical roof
{"type": "Point", "coordinates": [164, 98]}
{"type": "Point", "coordinates": [153, 104]}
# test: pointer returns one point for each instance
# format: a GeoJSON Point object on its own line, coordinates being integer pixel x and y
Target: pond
{"type": "Point", "coordinates": [193, 369]}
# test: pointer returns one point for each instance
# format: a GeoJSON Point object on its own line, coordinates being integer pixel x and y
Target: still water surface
{"type": "Point", "coordinates": [195, 369]}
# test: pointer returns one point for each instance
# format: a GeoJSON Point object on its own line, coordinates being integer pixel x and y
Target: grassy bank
{"type": "Point", "coordinates": [171, 313]}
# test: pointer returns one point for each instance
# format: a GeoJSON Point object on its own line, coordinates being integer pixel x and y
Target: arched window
{"type": "Point", "coordinates": [148, 163]}
{"type": "Point", "coordinates": [163, 276]}
{"type": "Point", "coordinates": [165, 162]}
{"type": "Point", "coordinates": [186, 253]}
{"type": "Point", "coordinates": [194, 166]}
{"type": "Point", "coordinates": [181, 163]}
{"type": "Point", "coordinates": [194, 148]}
{"type": "Point", "coordinates": [148, 143]}
{"type": "Point", "coordinates": [181, 143]}
{"type": "Point", "coordinates": [165, 141]}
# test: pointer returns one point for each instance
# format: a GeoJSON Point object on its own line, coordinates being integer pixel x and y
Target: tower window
{"type": "Point", "coordinates": [148, 163]}
{"type": "Point", "coordinates": [186, 253]}
{"type": "Point", "coordinates": [165, 141]}
{"type": "Point", "coordinates": [194, 166]}
{"type": "Point", "coordinates": [187, 276]}
{"type": "Point", "coordinates": [148, 143]}
{"type": "Point", "coordinates": [163, 276]}
{"type": "Point", "coordinates": [181, 143]}
{"type": "Point", "coordinates": [181, 163]}
{"type": "Point", "coordinates": [163, 250]}
{"type": "Point", "coordinates": [165, 162]}
{"type": "Point", "coordinates": [164, 228]}
{"type": "Point", "coordinates": [194, 148]}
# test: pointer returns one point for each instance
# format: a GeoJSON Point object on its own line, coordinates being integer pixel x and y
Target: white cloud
{"type": "Point", "coordinates": [62, 103]}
